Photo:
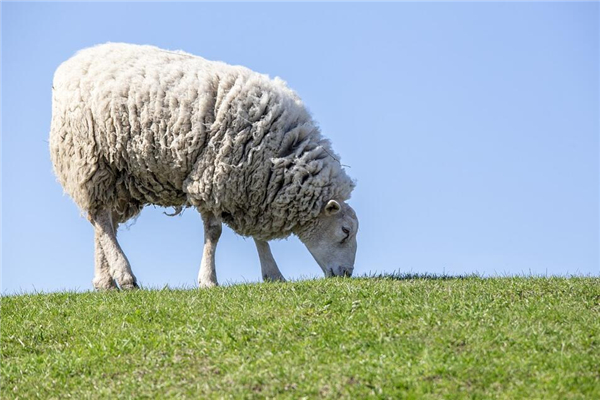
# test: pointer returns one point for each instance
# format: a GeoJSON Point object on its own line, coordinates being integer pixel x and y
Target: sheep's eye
{"type": "Point", "coordinates": [346, 232]}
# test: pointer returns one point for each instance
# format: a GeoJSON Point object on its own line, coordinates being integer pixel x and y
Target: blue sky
{"type": "Point", "coordinates": [472, 130]}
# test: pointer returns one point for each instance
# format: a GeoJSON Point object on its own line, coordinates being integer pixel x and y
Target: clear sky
{"type": "Point", "coordinates": [471, 129]}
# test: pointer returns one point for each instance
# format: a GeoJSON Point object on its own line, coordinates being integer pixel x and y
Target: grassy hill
{"type": "Point", "coordinates": [404, 337]}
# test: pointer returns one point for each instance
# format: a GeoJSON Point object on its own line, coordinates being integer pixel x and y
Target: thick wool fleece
{"type": "Point", "coordinates": [135, 125]}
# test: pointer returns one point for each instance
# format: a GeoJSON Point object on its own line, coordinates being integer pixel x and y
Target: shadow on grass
{"type": "Point", "coordinates": [404, 276]}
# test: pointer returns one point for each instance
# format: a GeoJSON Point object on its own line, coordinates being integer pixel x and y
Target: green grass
{"type": "Point", "coordinates": [413, 338]}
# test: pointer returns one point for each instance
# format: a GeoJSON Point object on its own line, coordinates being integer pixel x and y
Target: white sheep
{"type": "Point", "coordinates": [135, 125]}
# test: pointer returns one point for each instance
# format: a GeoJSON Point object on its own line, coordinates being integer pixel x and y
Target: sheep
{"type": "Point", "coordinates": [135, 125]}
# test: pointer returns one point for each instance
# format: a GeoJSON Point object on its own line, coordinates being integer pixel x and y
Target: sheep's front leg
{"type": "Point", "coordinates": [112, 254]}
{"type": "Point", "coordinates": [207, 277]}
{"type": "Point", "coordinates": [268, 266]}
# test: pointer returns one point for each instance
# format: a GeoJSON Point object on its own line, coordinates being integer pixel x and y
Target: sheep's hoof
{"type": "Point", "coordinates": [102, 284]}
{"type": "Point", "coordinates": [129, 285]}
{"type": "Point", "coordinates": [275, 278]}
{"type": "Point", "coordinates": [207, 284]}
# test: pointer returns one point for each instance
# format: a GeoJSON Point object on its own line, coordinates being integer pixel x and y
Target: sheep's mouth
{"type": "Point", "coordinates": [343, 272]}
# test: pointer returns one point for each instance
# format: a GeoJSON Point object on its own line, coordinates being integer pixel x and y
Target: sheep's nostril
{"type": "Point", "coordinates": [347, 272]}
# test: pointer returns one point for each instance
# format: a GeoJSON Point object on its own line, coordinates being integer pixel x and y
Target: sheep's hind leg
{"type": "Point", "coordinates": [268, 266]}
{"type": "Point", "coordinates": [207, 277]}
{"type": "Point", "coordinates": [102, 278]}
{"type": "Point", "coordinates": [106, 239]}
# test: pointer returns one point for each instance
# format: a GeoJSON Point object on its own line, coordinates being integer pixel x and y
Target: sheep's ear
{"type": "Point", "coordinates": [332, 207]}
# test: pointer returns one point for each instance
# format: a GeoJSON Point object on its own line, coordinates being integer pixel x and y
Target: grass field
{"type": "Point", "coordinates": [404, 337]}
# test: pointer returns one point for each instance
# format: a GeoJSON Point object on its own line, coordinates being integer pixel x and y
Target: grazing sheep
{"type": "Point", "coordinates": [135, 125]}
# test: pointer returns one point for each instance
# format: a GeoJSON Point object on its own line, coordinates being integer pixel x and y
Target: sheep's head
{"type": "Point", "coordinates": [331, 239]}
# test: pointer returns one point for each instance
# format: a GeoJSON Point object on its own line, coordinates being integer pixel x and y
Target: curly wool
{"type": "Point", "coordinates": [135, 125]}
